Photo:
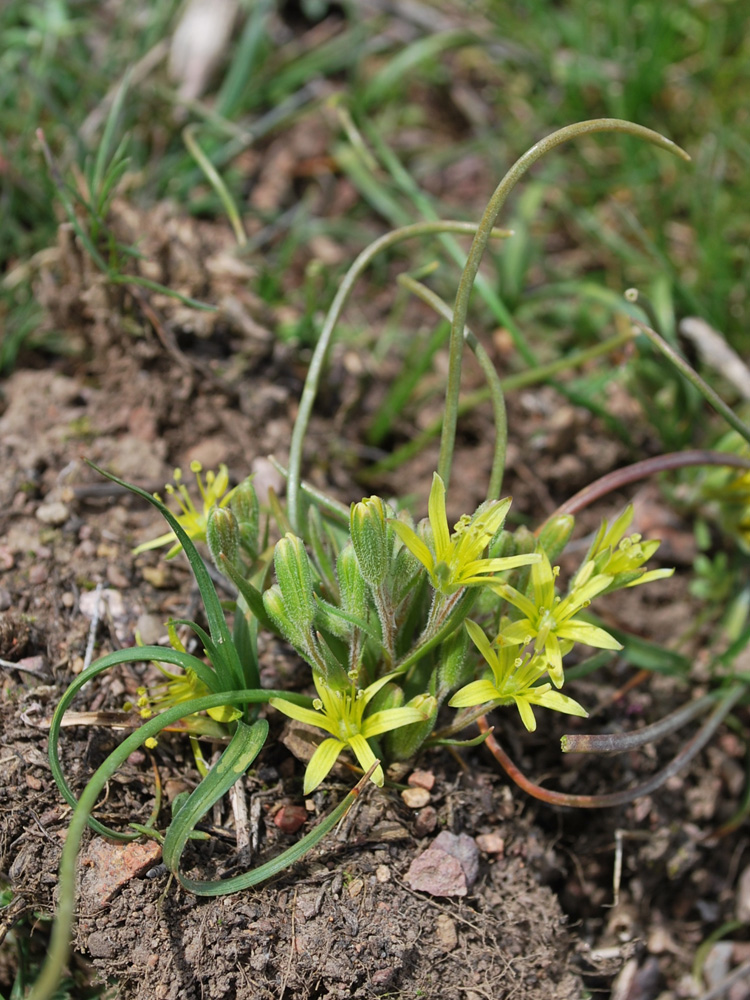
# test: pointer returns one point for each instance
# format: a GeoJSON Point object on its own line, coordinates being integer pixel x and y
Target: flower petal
{"type": "Point", "coordinates": [524, 708]}
{"type": "Point", "coordinates": [413, 543]}
{"type": "Point", "coordinates": [155, 543]}
{"type": "Point", "coordinates": [559, 703]}
{"type": "Point", "coordinates": [651, 575]}
{"type": "Point", "coordinates": [468, 571]}
{"type": "Point", "coordinates": [476, 693]}
{"type": "Point", "coordinates": [366, 758]}
{"type": "Point", "coordinates": [516, 634]}
{"type": "Point", "coordinates": [480, 640]}
{"type": "Point", "coordinates": [321, 763]}
{"type": "Point", "coordinates": [306, 715]}
{"type": "Point", "coordinates": [554, 659]}
{"type": "Point", "coordinates": [439, 519]}
{"type": "Point", "coordinates": [591, 635]}
{"type": "Point", "coordinates": [391, 718]}
{"type": "Point", "coordinates": [516, 598]}
{"type": "Point", "coordinates": [543, 583]}
{"type": "Point", "coordinates": [372, 689]}
{"type": "Point", "coordinates": [581, 596]}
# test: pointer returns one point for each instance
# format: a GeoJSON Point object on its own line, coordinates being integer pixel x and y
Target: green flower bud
{"type": "Point", "coordinates": [369, 535]}
{"type": "Point", "coordinates": [275, 608]}
{"type": "Point", "coordinates": [222, 536]}
{"type": "Point", "coordinates": [455, 668]}
{"type": "Point", "coordinates": [352, 586]}
{"type": "Point", "coordinates": [502, 545]}
{"type": "Point", "coordinates": [390, 696]}
{"type": "Point", "coordinates": [403, 743]}
{"type": "Point", "coordinates": [555, 535]}
{"type": "Point", "coordinates": [295, 579]}
{"type": "Point", "coordinates": [245, 507]}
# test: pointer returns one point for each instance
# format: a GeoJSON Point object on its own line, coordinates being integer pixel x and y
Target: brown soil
{"type": "Point", "coordinates": [541, 920]}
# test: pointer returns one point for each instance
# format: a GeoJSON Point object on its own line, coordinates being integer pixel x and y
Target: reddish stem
{"type": "Point", "coordinates": [642, 470]}
{"type": "Point", "coordinates": [693, 747]}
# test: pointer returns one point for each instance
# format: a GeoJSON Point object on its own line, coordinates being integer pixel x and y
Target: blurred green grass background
{"type": "Point", "coordinates": [440, 99]}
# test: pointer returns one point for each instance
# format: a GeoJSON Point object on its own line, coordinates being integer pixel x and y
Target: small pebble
{"type": "Point", "coordinates": [490, 843]}
{"type": "Point", "coordinates": [158, 576]}
{"type": "Point", "coordinates": [437, 873]}
{"type": "Point", "coordinates": [6, 558]}
{"type": "Point", "coordinates": [742, 903]}
{"type": "Point", "coordinates": [464, 849]}
{"type": "Point", "coordinates": [290, 818]}
{"type": "Point", "coordinates": [38, 574]}
{"type": "Point", "coordinates": [425, 822]}
{"type": "Point", "coordinates": [150, 629]}
{"type": "Point", "coordinates": [54, 513]}
{"type": "Point", "coordinates": [422, 779]}
{"type": "Point", "coordinates": [415, 798]}
{"type": "Point", "coordinates": [106, 550]}
{"type": "Point", "coordinates": [93, 603]}
{"type": "Point", "coordinates": [355, 888]}
{"type": "Point", "coordinates": [717, 963]}
{"type": "Point", "coordinates": [383, 873]}
{"type": "Point", "coordinates": [117, 578]}
{"type": "Point", "coordinates": [5, 599]}
{"type": "Point", "coordinates": [446, 932]}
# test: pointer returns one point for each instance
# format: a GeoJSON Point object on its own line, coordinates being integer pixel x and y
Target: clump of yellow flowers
{"type": "Point", "coordinates": [387, 614]}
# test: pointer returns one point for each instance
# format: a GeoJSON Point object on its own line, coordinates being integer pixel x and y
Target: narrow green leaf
{"type": "Point", "coordinates": [257, 875]}
{"type": "Point", "coordinates": [217, 624]}
{"type": "Point", "coordinates": [244, 747]}
{"type": "Point", "coordinates": [163, 654]}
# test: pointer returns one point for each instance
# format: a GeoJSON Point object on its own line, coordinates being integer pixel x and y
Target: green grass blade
{"type": "Point", "coordinates": [162, 654]}
{"type": "Point", "coordinates": [243, 748]}
{"type": "Point", "coordinates": [59, 948]}
{"type": "Point", "coordinates": [106, 143]}
{"type": "Point", "coordinates": [217, 625]}
{"type": "Point", "coordinates": [244, 60]}
{"type": "Point", "coordinates": [285, 860]}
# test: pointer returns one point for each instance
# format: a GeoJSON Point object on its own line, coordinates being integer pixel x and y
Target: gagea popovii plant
{"type": "Point", "coordinates": [400, 623]}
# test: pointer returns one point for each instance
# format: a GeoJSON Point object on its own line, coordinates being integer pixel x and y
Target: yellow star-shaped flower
{"type": "Point", "coordinates": [213, 494]}
{"type": "Point", "coordinates": [342, 714]}
{"type": "Point", "coordinates": [454, 560]}
{"type": "Point", "coordinates": [514, 681]}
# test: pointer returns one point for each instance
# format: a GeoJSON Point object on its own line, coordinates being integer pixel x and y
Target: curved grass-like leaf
{"type": "Point", "coordinates": [250, 594]}
{"type": "Point", "coordinates": [57, 953]}
{"type": "Point", "coordinates": [222, 887]}
{"type": "Point", "coordinates": [244, 747]}
{"type": "Point", "coordinates": [227, 664]}
{"type": "Point", "coordinates": [215, 652]}
{"type": "Point", "coordinates": [164, 655]}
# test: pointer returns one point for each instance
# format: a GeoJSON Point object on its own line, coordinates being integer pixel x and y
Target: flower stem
{"type": "Point", "coordinates": [710, 395]}
{"type": "Point", "coordinates": [479, 244]}
{"type": "Point", "coordinates": [494, 385]}
{"type": "Point", "coordinates": [620, 742]}
{"type": "Point", "coordinates": [642, 470]}
{"type": "Point", "coordinates": [688, 752]}
{"type": "Point", "coordinates": [312, 380]}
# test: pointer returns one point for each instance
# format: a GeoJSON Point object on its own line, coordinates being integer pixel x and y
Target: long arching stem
{"type": "Point", "coordinates": [479, 244]}
{"type": "Point", "coordinates": [494, 385]}
{"type": "Point", "coordinates": [642, 470]}
{"type": "Point", "coordinates": [688, 752]}
{"type": "Point", "coordinates": [312, 381]}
